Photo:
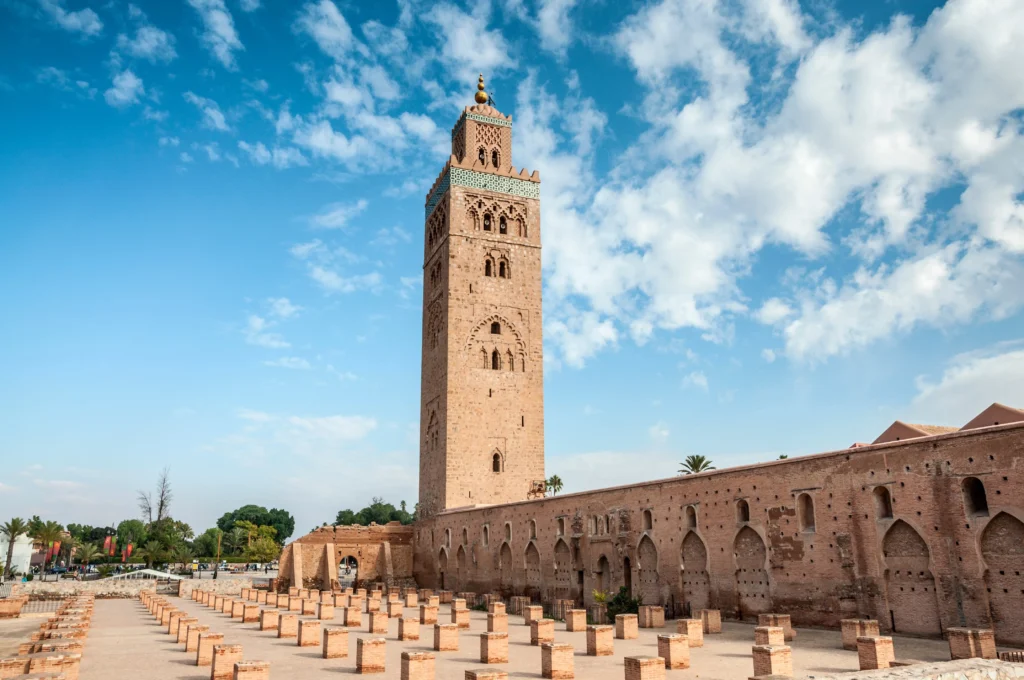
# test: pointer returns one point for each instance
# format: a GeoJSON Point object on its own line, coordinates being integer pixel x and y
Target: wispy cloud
{"type": "Point", "coordinates": [84, 21]}
{"type": "Point", "coordinates": [257, 332]}
{"type": "Point", "coordinates": [295, 363]}
{"type": "Point", "coordinates": [219, 35]}
{"type": "Point", "coordinates": [125, 90]}
{"type": "Point", "coordinates": [283, 308]}
{"type": "Point", "coordinates": [212, 117]}
{"type": "Point", "coordinates": [338, 215]}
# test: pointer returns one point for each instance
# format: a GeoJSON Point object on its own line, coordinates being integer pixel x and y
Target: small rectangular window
{"type": "Point", "coordinates": [522, 422]}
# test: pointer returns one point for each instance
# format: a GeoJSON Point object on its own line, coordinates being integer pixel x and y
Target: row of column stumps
{"type": "Point", "coordinates": [770, 654]}
{"type": "Point", "coordinates": [54, 652]}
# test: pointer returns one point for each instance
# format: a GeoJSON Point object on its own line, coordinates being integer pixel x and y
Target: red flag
{"type": "Point", "coordinates": [56, 549]}
{"type": "Point", "coordinates": [106, 544]}
{"type": "Point", "coordinates": [113, 546]}
{"type": "Point", "coordinates": [49, 553]}
{"type": "Point", "coordinates": [124, 555]}
{"type": "Point", "coordinates": [128, 550]}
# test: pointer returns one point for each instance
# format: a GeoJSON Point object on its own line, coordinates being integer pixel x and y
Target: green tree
{"type": "Point", "coordinates": [263, 549]}
{"type": "Point", "coordinates": [235, 541]}
{"type": "Point", "coordinates": [283, 523]}
{"type": "Point", "coordinates": [249, 528]}
{"type": "Point", "coordinates": [205, 544]}
{"type": "Point", "coordinates": [182, 554]}
{"type": "Point", "coordinates": [46, 533]}
{"type": "Point", "coordinates": [87, 553]}
{"type": "Point", "coordinates": [378, 511]}
{"type": "Point", "coordinates": [281, 520]}
{"type": "Point", "coordinates": [12, 529]}
{"type": "Point", "coordinates": [151, 553]}
{"type": "Point", "coordinates": [783, 456]}
{"type": "Point", "coordinates": [694, 464]}
{"type": "Point", "coordinates": [131, 531]}
{"type": "Point", "coordinates": [554, 484]}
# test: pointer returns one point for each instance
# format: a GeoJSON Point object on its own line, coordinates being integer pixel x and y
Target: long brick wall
{"type": "Point", "coordinates": [895, 532]}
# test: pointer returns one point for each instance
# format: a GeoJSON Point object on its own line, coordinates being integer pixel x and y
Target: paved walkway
{"type": "Point", "coordinates": [125, 642]}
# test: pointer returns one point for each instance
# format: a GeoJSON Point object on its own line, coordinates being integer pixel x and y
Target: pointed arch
{"type": "Point", "coordinates": [909, 583]}
{"type": "Point", "coordinates": [509, 360]}
{"type": "Point", "coordinates": [752, 586]}
{"type": "Point", "coordinates": [442, 566]}
{"type": "Point", "coordinates": [563, 570]}
{"type": "Point", "coordinates": [495, 360]}
{"type": "Point", "coordinates": [505, 566]}
{"type": "Point", "coordinates": [531, 559]}
{"type": "Point", "coordinates": [696, 582]}
{"type": "Point", "coordinates": [1002, 548]}
{"type": "Point", "coordinates": [461, 575]}
{"type": "Point", "coordinates": [647, 564]}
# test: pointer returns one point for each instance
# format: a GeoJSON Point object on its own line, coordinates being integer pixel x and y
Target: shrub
{"type": "Point", "coordinates": [622, 603]}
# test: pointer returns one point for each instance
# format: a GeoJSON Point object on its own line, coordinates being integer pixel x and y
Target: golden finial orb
{"type": "Point", "coordinates": [481, 94]}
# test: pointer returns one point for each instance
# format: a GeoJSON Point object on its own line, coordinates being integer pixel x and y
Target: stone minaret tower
{"type": "Point", "coordinates": [482, 390]}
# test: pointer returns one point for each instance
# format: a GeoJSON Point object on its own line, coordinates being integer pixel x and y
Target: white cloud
{"type": "Point", "coordinates": [55, 77]}
{"type": "Point", "coordinates": [213, 117]}
{"type": "Point", "coordinates": [580, 336]}
{"type": "Point", "coordinates": [280, 157]}
{"type": "Point", "coordinates": [554, 25]}
{"type": "Point", "coordinates": [333, 282]}
{"type": "Point", "coordinates": [219, 33]}
{"type": "Point", "coordinates": [150, 43]}
{"type": "Point", "coordinates": [257, 333]}
{"type": "Point", "coordinates": [169, 141]}
{"type": "Point", "coordinates": [768, 355]}
{"type": "Point", "coordinates": [326, 267]}
{"type": "Point", "coordinates": [970, 383]}
{"type": "Point", "coordinates": [338, 215]}
{"type": "Point", "coordinates": [249, 5]}
{"type": "Point", "coordinates": [696, 379]}
{"type": "Point", "coordinates": [324, 22]}
{"type": "Point", "coordinates": [659, 432]}
{"type": "Point", "coordinates": [186, 157]}
{"type": "Point", "coordinates": [296, 363]}
{"type": "Point", "coordinates": [125, 91]}
{"type": "Point", "coordinates": [257, 85]}
{"type": "Point", "coordinates": [84, 21]}
{"type": "Point", "coordinates": [467, 45]}
{"type": "Point", "coordinates": [283, 308]}
{"type": "Point", "coordinates": [773, 311]}
{"type": "Point", "coordinates": [212, 151]}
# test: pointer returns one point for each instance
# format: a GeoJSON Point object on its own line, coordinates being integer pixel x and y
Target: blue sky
{"type": "Point", "coordinates": [769, 227]}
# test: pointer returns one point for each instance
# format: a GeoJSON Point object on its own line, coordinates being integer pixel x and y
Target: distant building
{"type": "Point", "coordinates": [23, 551]}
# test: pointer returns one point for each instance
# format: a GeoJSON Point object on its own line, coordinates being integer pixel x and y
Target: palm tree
{"type": "Point", "coordinates": [694, 464]}
{"type": "Point", "coordinates": [67, 547]}
{"type": "Point", "coordinates": [235, 540]}
{"type": "Point", "coordinates": [181, 554]}
{"type": "Point", "coordinates": [555, 484]}
{"type": "Point", "coordinates": [87, 553]}
{"type": "Point", "coordinates": [151, 552]}
{"type": "Point", "coordinates": [47, 533]}
{"type": "Point", "coordinates": [12, 529]}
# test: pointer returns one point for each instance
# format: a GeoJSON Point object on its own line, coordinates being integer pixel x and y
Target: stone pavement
{"type": "Point", "coordinates": [125, 642]}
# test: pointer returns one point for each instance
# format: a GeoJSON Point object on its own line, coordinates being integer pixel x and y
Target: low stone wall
{"type": "Point", "coordinates": [10, 608]}
{"type": "Point", "coordinates": [102, 588]}
{"type": "Point", "coordinates": [221, 586]}
{"type": "Point", "coordinates": [965, 669]}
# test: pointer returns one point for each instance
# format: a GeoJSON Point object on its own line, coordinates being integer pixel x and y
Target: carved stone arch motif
{"type": "Point", "coordinates": [482, 333]}
{"type": "Point", "coordinates": [435, 322]}
{"type": "Point", "coordinates": [909, 583]}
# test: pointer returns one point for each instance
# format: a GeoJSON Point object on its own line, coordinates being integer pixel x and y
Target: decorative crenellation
{"type": "Point", "coordinates": [489, 120]}
{"type": "Point", "coordinates": [453, 176]}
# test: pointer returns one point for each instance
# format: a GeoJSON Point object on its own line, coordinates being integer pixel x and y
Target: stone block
{"type": "Point", "coordinates": [172, 622]}
{"type": "Point", "coordinates": [599, 614]}
{"type": "Point", "coordinates": [192, 636]}
{"type": "Point", "coordinates": [460, 617]}
{"type": "Point", "coordinates": [600, 640]}
{"type": "Point", "coordinates": [971, 643]}
{"type": "Point", "coordinates": [341, 600]}
{"type": "Point", "coordinates": [769, 660]}
{"type": "Point", "coordinates": [493, 647]}
{"type": "Point", "coordinates": [874, 653]}
{"type": "Point", "coordinates": [293, 591]}
{"type": "Point", "coordinates": [309, 607]}
{"type": "Point", "coordinates": [434, 601]}
{"type": "Point", "coordinates": [227, 605]}
{"type": "Point", "coordinates": [576, 620]}
{"type": "Point", "coordinates": [370, 655]}
{"type": "Point", "coordinates": [378, 623]}
{"type": "Point", "coordinates": [782, 621]}
{"type": "Point", "coordinates": [353, 617]}
{"type": "Point", "coordinates": [626, 626]}
{"type": "Point", "coordinates": [675, 650]}
{"type": "Point", "coordinates": [288, 626]}
{"type": "Point", "coordinates": [327, 597]}
{"type": "Point", "coordinates": [651, 616]}
{"type": "Point", "coordinates": [556, 661]}
{"type": "Point", "coordinates": [325, 611]}
{"type": "Point", "coordinates": [204, 648]}
{"type": "Point", "coordinates": [224, 659]}
{"type": "Point", "coordinates": [295, 604]}
{"type": "Point", "coordinates": [417, 666]}
{"type": "Point", "coordinates": [428, 614]}
{"type": "Point", "coordinates": [772, 636]}
{"type": "Point", "coordinates": [446, 637]}
{"type": "Point", "coordinates": [309, 634]}
{"type": "Point", "coordinates": [284, 601]}
{"type": "Point", "coordinates": [485, 674]}
{"type": "Point", "coordinates": [644, 668]}
{"type": "Point", "coordinates": [372, 605]}
{"type": "Point", "coordinates": [497, 623]}
{"type": "Point", "coordinates": [854, 628]}
{"type": "Point", "coordinates": [395, 609]}
{"type": "Point", "coordinates": [532, 613]}
{"type": "Point", "coordinates": [712, 619]}
{"type": "Point", "coordinates": [183, 624]}
{"type": "Point", "coordinates": [541, 631]}
{"type": "Point", "coordinates": [252, 670]}
{"type": "Point", "coordinates": [408, 628]}
{"type": "Point", "coordinates": [261, 597]}
{"type": "Point", "coordinates": [303, 593]}
{"type": "Point", "coordinates": [496, 608]}
{"type": "Point", "coordinates": [335, 643]}
{"type": "Point", "coordinates": [250, 613]}
{"type": "Point", "coordinates": [412, 600]}
{"type": "Point", "coordinates": [269, 619]}
{"type": "Point", "coordinates": [693, 629]}
{"type": "Point", "coordinates": [165, 615]}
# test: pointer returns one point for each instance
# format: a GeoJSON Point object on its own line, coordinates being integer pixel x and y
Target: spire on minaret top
{"type": "Point", "coordinates": [481, 93]}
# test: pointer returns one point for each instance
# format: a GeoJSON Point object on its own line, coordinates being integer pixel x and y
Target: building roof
{"type": "Point", "coordinates": [900, 430]}
{"type": "Point", "coordinates": [934, 429]}
{"type": "Point", "coordinates": [996, 414]}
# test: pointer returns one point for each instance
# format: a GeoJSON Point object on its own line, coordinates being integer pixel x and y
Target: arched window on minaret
{"type": "Point", "coordinates": [510, 360]}
{"type": "Point", "coordinates": [495, 360]}
{"type": "Point", "coordinates": [522, 227]}
{"type": "Point", "coordinates": [501, 270]}
{"type": "Point", "coordinates": [487, 221]}
{"type": "Point", "coordinates": [502, 225]}
{"type": "Point", "coordinates": [495, 328]}
{"type": "Point", "coordinates": [487, 268]}
{"type": "Point", "coordinates": [483, 357]}
{"type": "Point", "coordinates": [494, 158]}
{"type": "Point", "coordinates": [481, 156]}
{"type": "Point", "coordinates": [496, 462]}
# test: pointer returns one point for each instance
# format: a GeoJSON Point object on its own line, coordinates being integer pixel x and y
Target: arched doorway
{"type": "Point", "coordinates": [603, 575]}
{"type": "Point", "coordinates": [752, 587]}
{"type": "Point", "coordinates": [909, 584]}
{"type": "Point", "coordinates": [563, 570]}
{"type": "Point", "coordinates": [1002, 547]}
{"type": "Point", "coordinates": [532, 567]}
{"type": "Point", "coordinates": [696, 581]}
{"type": "Point", "coordinates": [647, 558]}
{"type": "Point", "coordinates": [505, 567]}
{"type": "Point", "coordinates": [348, 571]}
{"type": "Point", "coordinates": [460, 568]}
{"type": "Point", "coordinates": [442, 567]}
{"type": "Point", "coordinates": [627, 575]}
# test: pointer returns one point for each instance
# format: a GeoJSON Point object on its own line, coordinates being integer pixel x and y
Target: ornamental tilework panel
{"type": "Point", "coordinates": [482, 180]}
